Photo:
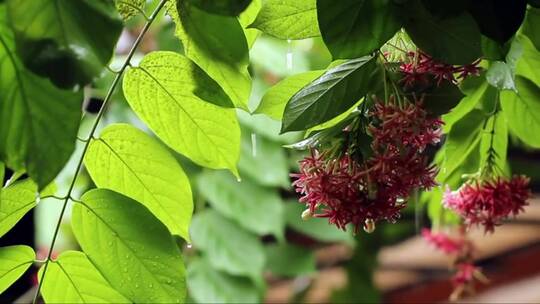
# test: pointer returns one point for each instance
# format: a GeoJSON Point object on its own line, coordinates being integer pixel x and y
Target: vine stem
{"type": "Point", "coordinates": [108, 97]}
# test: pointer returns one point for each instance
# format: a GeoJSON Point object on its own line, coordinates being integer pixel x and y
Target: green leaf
{"type": "Point", "coordinates": [442, 98]}
{"type": "Point", "coordinates": [330, 95]}
{"type": "Point", "coordinates": [208, 285]}
{"type": "Point", "coordinates": [288, 19]}
{"type": "Point", "coordinates": [38, 122]}
{"type": "Point", "coordinates": [228, 246]}
{"type": "Point", "coordinates": [527, 64]}
{"type": "Point", "coordinates": [15, 260]}
{"type": "Point", "coordinates": [355, 28]}
{"type": "Point", "coordinates": [72, 278]}
{"type": "Point", "coordinates": [498, 20]}
{"type": "Point", "coordinates": [531, 26]}
{"type": "Point", "coordinates": [15, 201]}
{"type": "Point", "coordinates": [65, 40]}
{"type": "Point", "coordinates": [274, 100]}
{"type": "Point", "coordinates": [128, 161]}
{"type": "Point", "coordinates": [454, 40]}
{"type": "Point", "coordinates": [289, 260]}
{"type": "Point", "coordinates": [253, 207]}
{"type": "Point", "coordinates": [501, 74]}
{"type": "Point", "coordinates": [129, 8]}
{"type": "Point", "coordinates": [263, 161]}
{"type": "Point", "coordinates": [522, 110]}
{"type": "Point", "coordinates": [131, 248]}
{"type": "Point", "coordinates": [317, 228]}
{"type": "Point", "coordinates": [247, 17]}
{"type": "Point", "coordinates": [216, 44]}
{"type": "Point", "coordinates": [222, 7]}
{"type": "Point", "coordinates": [496, 136]}
{"type": "Point", "coordinates": [162, 93]}
{"type": "Point", "coordinates": [2, 173]}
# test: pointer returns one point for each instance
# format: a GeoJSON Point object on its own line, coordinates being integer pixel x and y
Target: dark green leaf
{"type": "Point", "coordinates": [222, 7]}
{"type": "Point", "coordinates": [2, 173]}
{"type": "Point", "coordinates": [288, 19]}
{"type": "Point", "coordinates": [216, 44]}
{"type": "Point", "coordinates": [454, 40]}
{"type": "Point", "coordinates": [289, 260]}
{"type": "Point", "coordinates": [531, 26]}
{"type": "Point", "coordinates": [72, 278]}
{"type": "Point", "coordinates": [444, 8]}
{"type": "Point", "coordinates": [522, 110]}
{"type": "Point", "coordinates": [14, 261]}
{"type": "Point", "coordinates": [131, 248]}
{"type": "Point", "coordinates": [353, 28]}
{"type": "Point", "coordinates": [227, 245]}
{"type": "Point", "coordinates": [333, 93]}
{"type": "Point", "coordinates": [65, 40]}
{"type": "Point", "coordinates": [441, 99]}
{"type": "Point", "coordinates": [38, 122]}
{"type": "Point", "coordinates": [497, 19]}
{"type": "Point", "coordinates": [253, 207]}
{"type": "Point", "coordinates": [208, 285]}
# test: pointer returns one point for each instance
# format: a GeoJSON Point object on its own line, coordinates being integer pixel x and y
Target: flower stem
{"type": "Point", "coordinates": [107, 99]}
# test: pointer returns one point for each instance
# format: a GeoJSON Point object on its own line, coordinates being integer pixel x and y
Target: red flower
{"type": "Point", "coordinates": [443, 241]}
{"type": "Point", "coordinates": [489, 202]}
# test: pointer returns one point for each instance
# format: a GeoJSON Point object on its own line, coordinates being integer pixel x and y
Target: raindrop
{"type": "Point", "coordinates": [189, 246]}
{"type": "Point", "coordinates": [38, 198]}
{"type": "Point", "coordinates": [238, 179]}
{"type": "Point", "coordinates": [289, 55]}
{"type": "Point", "coordinates": [254, 145]}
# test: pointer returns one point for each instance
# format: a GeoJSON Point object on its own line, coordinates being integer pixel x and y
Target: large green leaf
{"type": "Point", "coordinates": [65, 40]}
{"type": "Point", "coordinates": [15, 201]}
{"type": "Point", "coordinates": [289, 260]}
{"type": "Point", "coordinates": [2, 173]}
{"type": "Point", "coordinates": [131, 248]}
{"type": "Point", "coordinates": [330, 95]}
{"type": "Point", "coordinates": [274, 100]}
{"type": "Point", "coordinates": [263, 161]}
{"type": "Point", "coordinates": [208, 285]}
{"type": "Point", "coordinates": [454, 40]}
{"type": "Point", "coordinates": [253, 207]}
{"type": "Point", "coordinates": [216, 44]}
{"type": "Point", "coordinates": [527, 65]}
{"type": "Point", "coordinates": [163, 94]}
{"type": "Point", "coordinates": [227, 245]}
{"type": "Point", "coordinates": [247, 17]}
{"type": "Point", "coordinates": [353, 28]}
{"type": "Point", "coordinates": [498, 20]}
{"type": "Point", "coordinates": [531, 26]}
{"type": "Point", "coordinates": [522, 110]}
{"type": "Point", "coordinates": [38, 122]}
{"type": "Point", "coordinates": [128, 161]}
{"type": "Point", "coordinates": [14, 261]}
{"type": "Point", "coordinates": [72, 278]}
{"type": "Point", "coordinates": [129, 8]}
{"type": "Point", "coordinates": [501, 74]}
{"type": "Point", "coordinates": [222, 7]}
{"type": "Point", "coordinates": [288, 19]}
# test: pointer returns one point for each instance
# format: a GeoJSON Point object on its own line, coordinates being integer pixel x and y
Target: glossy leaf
{"type": "Point", "coordinates": [253, 207]}
{"type": "Point", "coordinates": [522, 110]}
{"type": "Point", "coordinates": [458, 38]}
{"type": "Point", "coordinates": [330, 95]}
{"type": "Point", "coordinates": [288, 19]}
{"type": "Point", "coordinates": [128, 161]}
{"type": "Point", "coordinates": [222, 7]}
{"type": "Point", "coordinates": [130, 247]}
{"type": "Point", "coordinates": [15, 201]}
{"type": "Point", "coordinates": [227, 245]}
{"type": "Point", "coordinates": [274, 100]}
{"type": "Point", "coordinates": [216, 44]}
{"type": "Point", "coordinates": [289, 260]}
{"type": "Point", "coordinates": [527, 64]}
{"type": "Point", "coordinates": [208, 285]}
{"type": "Point", "coordinates": [15, 260]}
{"type": "Point", "coordinates": [500, 75]}
{"type": "Point", "coordinates": [129, 8]}
{"type": "Point", "coordinates": [352, 28]}
{"type": "Point", "coordinates": [72, 278]}
{"type": "Point", "coordinates": [65, 40]}
{"type": "Point", "coordinates": [164, 95]}
{"type": "Point", "coordinates": [531, 26]}
{"type": "Point", "coordinates": [38, 122]}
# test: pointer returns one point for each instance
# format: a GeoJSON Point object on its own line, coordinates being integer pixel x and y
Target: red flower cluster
{"type": "Point", "coordinates": [361, 193]}
{"type": "Point", "coordinates": [444, 242]}
{"type": "Point", "coordinates": [421, 67]}
{"type": "Point", "coordinates": [487, 203]}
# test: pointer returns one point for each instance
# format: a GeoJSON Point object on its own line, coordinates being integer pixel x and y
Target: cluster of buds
{"type": "Point", "coordinates": [420, 69]}
{"type": "Point", "coordinates": [363, 191]}
{"type": "Point", "coordinates": [490, 201]}
{"type": "Point", "coordinates": [462, 251]}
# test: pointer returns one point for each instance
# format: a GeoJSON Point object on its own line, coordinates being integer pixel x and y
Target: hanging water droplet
{"type": "Point", "coordinates": [189, 246]}
{"type": "Point", "coordinates": [254, 144]}
{"type": "Point", "coordinates": [307, 214]}
{"type": "Point", "coordinates": [38, 198]}
{"type": "Point", "coordinates": [369, 225]}
{"type": "Point", "coordinates": [289, 55]}
{"type": "Point", "coordinates": [238, 179]}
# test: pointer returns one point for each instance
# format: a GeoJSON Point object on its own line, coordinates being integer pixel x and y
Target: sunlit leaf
{"type": "Point", "coordinates": [72, 278]}
{"type": "Point", "coordinates": [128, 161]}
{"type": "Point", "coordinates": [247, 17]}
{"type": "Point", "coordinates": [130, 247]}
{"type": "Point", "coordinates": [14, 261]}
{"type": "Point", "coordinates": [15, 201]}
{"type": "Point", "coordinates": [531, 26]}
{"type": "Point", "coordinates": [129, 8]}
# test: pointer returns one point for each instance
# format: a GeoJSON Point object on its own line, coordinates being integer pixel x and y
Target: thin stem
{"type": "Point", "coordinates": [91, 135]}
